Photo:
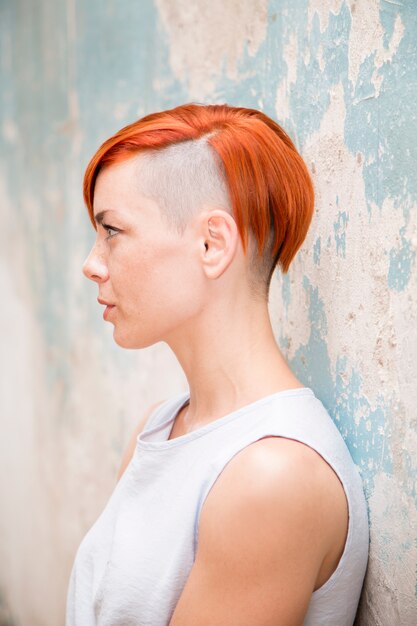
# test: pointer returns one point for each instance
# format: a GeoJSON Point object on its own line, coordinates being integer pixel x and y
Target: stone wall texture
{"type": "Point", "coordinates": [341, 77]}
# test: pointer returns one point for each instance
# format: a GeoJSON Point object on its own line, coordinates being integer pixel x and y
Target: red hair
{"type": "Point", "coordinates": [267, 180]}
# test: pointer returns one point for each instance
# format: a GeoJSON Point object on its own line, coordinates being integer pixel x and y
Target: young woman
{"type": "Point", "coordinates": [238, 502]}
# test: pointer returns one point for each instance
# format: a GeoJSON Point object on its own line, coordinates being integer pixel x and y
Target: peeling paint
{"type": "Point", "coordinates": [341, 76]}
{"type": "Point", "coordinates": [196, 57]}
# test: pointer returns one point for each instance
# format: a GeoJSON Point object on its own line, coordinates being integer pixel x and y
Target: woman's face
{"type": "Point", "coordinates": [149, 273]}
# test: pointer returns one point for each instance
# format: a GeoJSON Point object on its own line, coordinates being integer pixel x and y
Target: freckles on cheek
{"type": "Point", "coordinates": [138, 276]}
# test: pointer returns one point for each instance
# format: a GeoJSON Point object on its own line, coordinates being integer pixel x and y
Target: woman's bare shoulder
{"type": "Point", "coordinates": [130, 448]}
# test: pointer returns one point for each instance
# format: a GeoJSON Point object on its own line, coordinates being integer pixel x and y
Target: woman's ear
{"type": "Point", "coordinates": [220, 236]}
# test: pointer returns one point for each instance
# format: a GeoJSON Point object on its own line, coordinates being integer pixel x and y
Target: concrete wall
{"type": "Point", "coordinates": [341, 76]}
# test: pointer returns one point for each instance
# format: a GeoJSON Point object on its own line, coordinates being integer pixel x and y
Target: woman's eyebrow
{"type": "Point", "coordinates": [100, 216]}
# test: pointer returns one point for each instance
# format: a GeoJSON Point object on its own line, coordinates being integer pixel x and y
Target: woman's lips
{"type": "Point", "coordinates": [108, 310]}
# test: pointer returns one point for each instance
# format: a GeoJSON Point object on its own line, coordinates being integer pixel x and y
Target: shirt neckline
{"type": "Point", "coordinates": [181, 401]}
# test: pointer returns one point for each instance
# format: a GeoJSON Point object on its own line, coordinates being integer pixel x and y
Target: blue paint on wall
{"type": "Point", "coordinates": [339, 227]}
{"type": "Point", "coordinates": [311, 361]}
{"type": "Point", "coordinates": [386, 129]}
{"type": "Point", "coordinates": [317, 251]}
{"type": "Point", "coordinates": [401, 263]}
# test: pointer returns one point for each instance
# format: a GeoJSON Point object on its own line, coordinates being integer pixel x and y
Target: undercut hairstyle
{"type": "Point", "coordinates": [234, 158]}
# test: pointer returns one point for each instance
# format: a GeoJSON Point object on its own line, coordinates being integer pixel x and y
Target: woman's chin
{"type": "Point", "coordinates": [122, 340]}
{"type": "Point", "coordinates": [129, 342]}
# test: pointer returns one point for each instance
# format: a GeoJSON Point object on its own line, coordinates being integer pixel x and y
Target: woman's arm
{"type": "Point", "coordinates": [130, 448]}
{"type": "Point", "coordinates": [265, 529]}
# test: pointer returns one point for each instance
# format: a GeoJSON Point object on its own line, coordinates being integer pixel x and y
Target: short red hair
{"type": "Point", "coordinates": [267, 180]}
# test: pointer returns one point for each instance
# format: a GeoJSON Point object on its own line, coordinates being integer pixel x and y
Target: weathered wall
{"type": "Point", "coordinates": [341, 76]}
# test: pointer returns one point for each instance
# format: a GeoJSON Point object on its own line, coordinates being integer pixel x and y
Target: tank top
{"type": "Point", "coordinates": [133, 563]}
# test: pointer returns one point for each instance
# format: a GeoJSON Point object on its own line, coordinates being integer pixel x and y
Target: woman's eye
{"type": "Point", "coordinates": [111, 232]}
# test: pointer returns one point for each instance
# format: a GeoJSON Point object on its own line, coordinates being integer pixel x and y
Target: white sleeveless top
{"type": "Point", "coordinates": [133, 563]}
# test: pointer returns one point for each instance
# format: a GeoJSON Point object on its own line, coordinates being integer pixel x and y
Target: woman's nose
{"type": "Point", "coordinates": [95, 268]}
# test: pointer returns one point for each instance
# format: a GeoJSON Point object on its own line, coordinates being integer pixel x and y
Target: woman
{"type": "Point", "coordinates": [238, 503]}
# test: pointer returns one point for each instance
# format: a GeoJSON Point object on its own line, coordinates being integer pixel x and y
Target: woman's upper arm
{"type": "Point", "coordinates": [262, 540]}
{"type": "Point", "coordinates": [130, 448]}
